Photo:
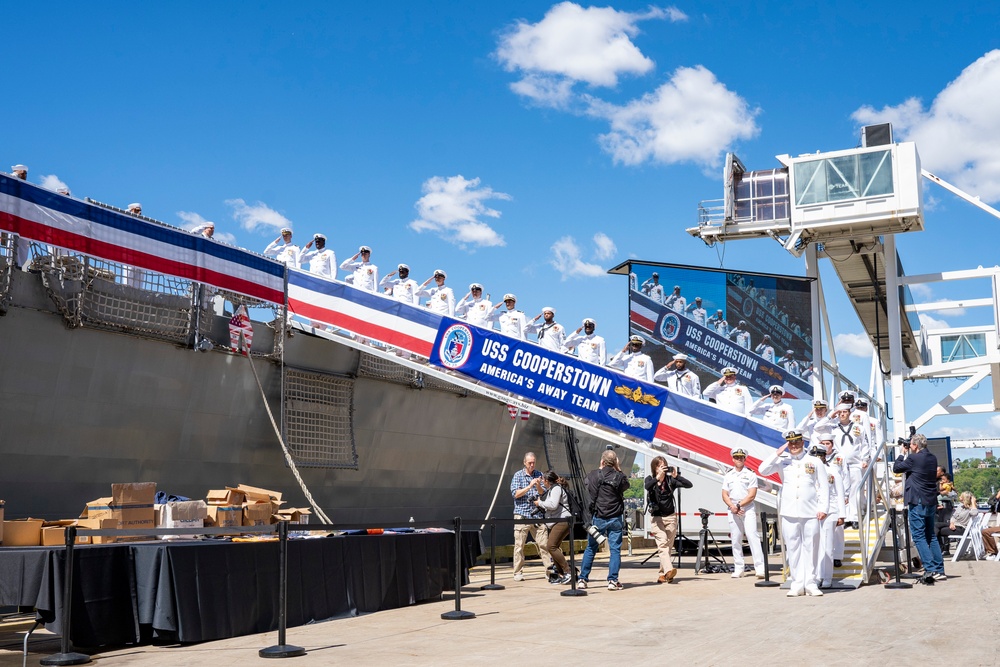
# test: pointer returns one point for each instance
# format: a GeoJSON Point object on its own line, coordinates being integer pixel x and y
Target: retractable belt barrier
{"type": "Point", "coordinates": [493, 586]}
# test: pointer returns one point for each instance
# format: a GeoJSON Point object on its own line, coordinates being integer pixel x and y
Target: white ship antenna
{"type": "Point", "coordinates": [320, 514]}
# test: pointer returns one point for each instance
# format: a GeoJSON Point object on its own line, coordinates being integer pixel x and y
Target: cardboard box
{"type": "Point", "coordinates": [255, 494]}
{"type": "Point", "coordinates": [225, 496]}
{"type": "Point", "coordinates": [224, 516]}
{"type": "Point", "coordinates": [54, 532]}
{"type": "Point", "coordinates": [22, 533]}
{"type": "Point", "coordinates": [181, 514]}
{"type": "Point", "coordinates": [99, 524]}
{"type": "Point", "coordinates": [130, 505]}
{"type": "Point", "coordinates": [298, 515]}
{"type": "Point", "coordinates": [258, 514]}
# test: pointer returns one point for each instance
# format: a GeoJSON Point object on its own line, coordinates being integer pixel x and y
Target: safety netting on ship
{"type": "Point", "coordinates": [319, 419]}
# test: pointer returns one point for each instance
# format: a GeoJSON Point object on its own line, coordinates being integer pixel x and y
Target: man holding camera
{"type": "Point", "coordinates": [739, 489]}
{"type": "Point", "coordinates": [660, 487]}
{"type": "Point", "coordinates": [606, 487]}
{"type": "Point", "coordinates": [920, 492]}
{"type": "Point", "coordinates": [526, 487]}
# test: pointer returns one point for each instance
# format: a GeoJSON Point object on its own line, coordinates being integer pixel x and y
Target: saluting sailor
{"type": "Point", "coordinates": [440, 299]}
{"type": "Point", "coordinates": [765, 349]}
{"type": "Point", "coordinates": [322, 261]}
{"type": "Point", "coordinates": [804, 502]}
{"type": "Point", "coordinates": [697, 313]}
{"type": "Point", "coordinates": [653, 289]}
{"type": "Point", "coordinates": [551, 334]}
{"type": "Point", "coordinates": [740, 335]}
{"type": "Point", "coordinates": [675, 301]}
{"type": "Point", "coordinates": [364, 274]}
{"type": "Point", "coordinates": [474, 308]}
{"type": "Point", "coordinates": [832, 529]}
{"type": "Point", "coordinates": [632, 362]}
{"type": "Point", "coordinates": [511, 319]}
{"type": "Point", "coordinates": [679, 378]}
{"type": "Point", "coordinates": [777, 414]}
{"type": "Point", "coordinates": [815, 420]}
{"type": "Point", "coordinates": [588, 345]}
{"type": "Point", "coordinates": [729, 393]}
{"type": "Point", "coordinates": [851, 443]}
{"type": "Point", "coordinates": [739, 489]}
{"type": "Point", "coordinates": [281, 248]}
{"type": "Point", "coordinates": [404, 288]}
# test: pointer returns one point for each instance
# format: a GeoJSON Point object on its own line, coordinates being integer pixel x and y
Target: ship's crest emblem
{"type": "Point", "coordinates": [456, 346]}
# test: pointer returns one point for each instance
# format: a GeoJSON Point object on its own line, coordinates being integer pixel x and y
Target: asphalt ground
{"type": "Point", "coordinates": [707, 619]}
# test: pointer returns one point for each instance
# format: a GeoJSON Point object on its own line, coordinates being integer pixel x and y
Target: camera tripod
{"type": "Point", "coordinates": [704, 548]}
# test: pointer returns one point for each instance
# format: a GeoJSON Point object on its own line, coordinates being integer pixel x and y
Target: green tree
{"type": "Point", "coordinates": [636, 488]}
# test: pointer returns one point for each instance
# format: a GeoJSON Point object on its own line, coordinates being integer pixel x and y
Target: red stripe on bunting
{"type": "Point", "coordinates": [362, 328]}
{"type": "Point", "coordinates": [722, 453]}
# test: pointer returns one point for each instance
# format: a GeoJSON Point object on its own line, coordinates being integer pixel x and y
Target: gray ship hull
{"type": "Point", "coordinates": [83, 408]}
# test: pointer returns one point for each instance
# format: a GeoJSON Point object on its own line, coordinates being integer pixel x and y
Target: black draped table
{"type": "Point", "coordinates": [194, 591]}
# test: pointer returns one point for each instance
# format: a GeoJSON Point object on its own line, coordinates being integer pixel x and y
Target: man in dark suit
{"type": "Point", "coordinates": [920, 493]}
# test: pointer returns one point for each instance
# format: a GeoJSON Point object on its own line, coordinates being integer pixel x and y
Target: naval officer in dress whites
{"type": "Point", "coordinates": [814, 421]}
{"type": "Point", "coordinates": [740, 335]}
{"type": "Point", "coordinates": [588, 345]}
{"type": "Point", "coordinates": [765, 349]}
{"type": "Point", "coordinates": [402, 289]}
{"type": "Point", "coordinates": [321, 260]}
{"type": "Point", "coordinates": [679, 378]}
{"type": "Point", "coordinates": [697, 313]}
{"type": "Point", "coordinates": [23, 249]}
{"type": "Point", "coordinates": [282, 248]}
{"type": "Point", "coordinates": [364, 274]}
{"type": "Point", "coordinates": [739, 489]}
{"type": "Point", "coordinates": [512, 321]}
{"type": "Point", "coordinates": [675, 301]}
{"type": "Point", "coordinates": [773, 411]}
{"type": "Point", "coordinates": [804, 501]}
{"type": "Point", "coordinates": [551, 334]}
{"type": "Point", "coordinates": [206, 229]}
{"type": "Point", "coordinates": [473, 308]}
{"type": "Point", "coordinates": [632, 362]}
{"type": "Point", "coordinates": [653, 289]}
{"type": "Point", "coordinates": [729, 393]}
{"type": "Point", "coordinates": [440, 298]}
{"type": "Point", "coordinates": [831, 536]}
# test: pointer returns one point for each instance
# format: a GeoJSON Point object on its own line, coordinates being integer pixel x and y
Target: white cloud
{"type": "Point", "coordinates": [192, 220]}
{"type": "Point", "coordinates": [922, 291]}
{"type": "Point", "coordinates": [52, 182]}
{"type": "Point", "coordinates": [573, 44]}
{"type": "Point", "coordinates": [854, 344]}
{"type": "Point", "coordinates": [929, 322]}
{"type": "Point", "coordinates": [254, 216]}
{"type": "Point", "coordinates": [964, 433]}
{"type": "Point", "coordinates": [452, 207]}
{"type": "Point", "coordinates": [691, 118]}
{"type": "Point", "coordinates": [959, 135]}
{"type": "Point", "coordinates": [605, 248]}
{"type": "Point", "coordinates": [994, 423]}
{"type": "Point", "coordinates": [566, 258]}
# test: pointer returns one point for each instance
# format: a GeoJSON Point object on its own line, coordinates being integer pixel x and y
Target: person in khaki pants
{"type": "Point", "coordinates": [526, 487]}
{"type": "Point", "coordinates": [660, 485]}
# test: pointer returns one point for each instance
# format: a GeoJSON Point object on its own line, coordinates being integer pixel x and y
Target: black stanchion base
{"type": "Point", "coordinates": [573, 593]}
{"type": "Point", "coordinates": [492, 587]}
{"type": "Point", "coordinates": [457, 615]}
{"type": "Point", "coordinates": [897, 585]}
{"type": "Point", "coordinates": [66, 659]}
{"type": "Point", "coordinates": [767, 584]}
{"type": "Point", "coordinates": [911, 576]}
{"type": "Point", "coordinates": [281, 651]}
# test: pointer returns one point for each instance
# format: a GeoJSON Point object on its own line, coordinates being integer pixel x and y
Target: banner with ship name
{"type": "Point", "coordinates": [550, 378]}
{"type": "Point", "coordinates": [79, 226]}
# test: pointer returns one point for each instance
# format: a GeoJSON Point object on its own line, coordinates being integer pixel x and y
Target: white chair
{"type": "Point", "coordinates": [972, 538]}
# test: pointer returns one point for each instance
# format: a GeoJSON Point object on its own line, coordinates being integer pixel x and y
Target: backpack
{"type": "Point", "coordinates": [574, 506]}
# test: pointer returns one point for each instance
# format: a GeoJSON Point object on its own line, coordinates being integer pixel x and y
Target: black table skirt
{"type": "Point", "coordinates": [207, 590]}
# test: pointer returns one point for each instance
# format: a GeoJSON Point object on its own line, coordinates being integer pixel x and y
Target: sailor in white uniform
{"type": "Point", "coordinates": [719, 323]}
{"type": "Point", "coordinates": [404, 288]}
{"type": "Point", "coordinates": [22, 251]}
{"type": "Point", "coordinates": [206, 229]}
{"type": "Point", "coordinates": [675, 301]}
{"type": "Point", "coordinates": [511, 320]}
{"type": "Point", "coordinates": [851, 442]}
{"type": "Point", "coordinates": [831, 538]}
{"type": "Point", "coordinates": [282, 248]}
{"type": "Point", "coordinates": [861, 415]}
{"type": "Point", "coordinates": [765, 349]}
{"type": "Point", "coordinates": [740, 335]}
{"type": "Point", "coordinates": [632, 362]}
{"type": "Point", "coordinates": [653, 289]}
{"type": "Point", "coordinates": [739, 488]}
{"type": "Point", "coordinates": [814, 421]}
{"type": "Point", "coordinates": [321, 261]}
{"type": "Point", "coordinates": [773, 411]}
{"type": "Point", "coordinates": [697, 313]}
{"type": "Point", "coordinates": [364, 274]}
{"type": "Point", "coordinates": [804, 502]}
{"type": "Point", "coordinates": [473, 308]}
{"type": "Point", "coordinates": [440, 299]}
{"type": "Point", "coordinates": [588, 345]}
{"type": "Point", "coordinates": [729, 393]}
{"type": "Point", "coordinates": [551, 334]}
{"type": "Point", "coordinates": [679, 378]}
{"type": "Point", "coordinates": [133, 276]}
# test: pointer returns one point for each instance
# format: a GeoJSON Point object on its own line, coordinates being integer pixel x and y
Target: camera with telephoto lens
{"type": "Point", "coordinates": [597, 535]}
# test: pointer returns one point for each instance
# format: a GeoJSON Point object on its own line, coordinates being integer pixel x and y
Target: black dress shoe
{"type": "Point", "coordinates": [927, 580]}
{"type": "Point", "coordinates": [837, 563]}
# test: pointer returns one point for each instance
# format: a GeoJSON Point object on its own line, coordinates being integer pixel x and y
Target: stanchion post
{"type": "Point", "coordinates": [65, 656]}
{"type": "Point", "coordinates": [573, 591]}
{"type": "Point", "coordinates": [458, 614]}
{"type": "Point", "coordinates": [909, 556]}
{"type": "Point", "coordinates": [895, 554]}
{"type": "Point", "coordinates": [493, 585]}
{"type": "Point", "coordinates": [767, 583]}
{"type": "Point", "coordinates": [282, 649]}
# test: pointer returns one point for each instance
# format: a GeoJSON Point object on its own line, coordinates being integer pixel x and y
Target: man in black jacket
{"type": "Point", "coordinates": [606, 487]}
{"type": "Point", "coordinates": [920, 493]}
{"type": "Point", "coordinates": [660, 498]}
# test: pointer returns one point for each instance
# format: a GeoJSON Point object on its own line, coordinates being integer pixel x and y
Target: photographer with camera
{"type": "Point", "coordinates": [739, 489]}
{"type": "Point", "coordinates": [920, 493]}
{"type": "Point", "coordinates": [660, 487]}
{"type": "Point", "coordinates": [606, 487]}
{"type": "Point", "coordinates": [526, 487]}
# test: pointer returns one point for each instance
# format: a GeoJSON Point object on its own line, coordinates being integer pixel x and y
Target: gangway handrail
{"type": "Point", "coordinates": [872, 486]}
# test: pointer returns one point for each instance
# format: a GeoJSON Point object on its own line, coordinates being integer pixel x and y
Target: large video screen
{"type": "Point", "coordinates": [759, 324]}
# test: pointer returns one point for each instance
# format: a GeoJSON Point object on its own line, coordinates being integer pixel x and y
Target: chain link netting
{"type": "Point", "coordinates": [319, 420]}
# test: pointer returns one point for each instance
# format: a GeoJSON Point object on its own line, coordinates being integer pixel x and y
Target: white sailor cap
{"type": "Point", "coordinates": [738, 451]}
{"type": "Point", "coordinates": [319, 236]}
{"type": "Point", "coordinates": [509, 297]}
{"type": "Point", "coordinates": [822, 434]}
{"type": "Point", "coordinates": [549, 309]}
{"type": "Point", "coordinates": [794, 434]}
{"type": "Point", "coordinates": [402, 267]}
{"type": "Point", "coordinates": [64, 191]}
{"type": "Point", "coordinates": [789, 351]}
{"type": "Point", "coordinates": [135, 205]}
{"type": "Point", "coordinates": [439, 272]}
{"type": "Point", "coordinates": [19, 167]}
{"type": "Point", "coordinates": [680, 356]}
{"type": "Point", "coordinates": [655, 274]}
{"type": "Point", "coordinates": [676, 287]}
{"type": "Point", "coordinates": [286, 230]}
{"type": "Point", "coordinates": [364, 248]}
{"type": "Point", "coordinates": [210, 224]}
{"type": "Point", "coordinates": [774, 388]}
{"type": "Point", "coordinates": [729, 370]}
{"type": "Point", "coordinates": [697, 298]}
{"type": "Point", "coordinates": [475, 286]}
{"type": "Point", "coordinates": [861, 402]}
{"type": "Point", "coordinates": [843, 406]}
{"type": "Point", "coordinates": [589, 320]}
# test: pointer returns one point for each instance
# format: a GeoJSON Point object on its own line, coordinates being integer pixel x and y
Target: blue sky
{"type": "Point", "coordinates": [527, 146]}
